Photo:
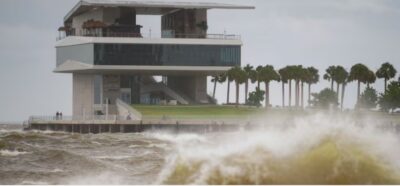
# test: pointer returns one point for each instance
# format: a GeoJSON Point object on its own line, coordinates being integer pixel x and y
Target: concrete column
{"type": "Point", "coordinates": [111, 91]}
{"type": "Point", "coordinates": [82, 94]}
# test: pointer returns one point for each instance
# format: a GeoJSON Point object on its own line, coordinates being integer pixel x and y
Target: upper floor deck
{"type": "Point", "coordinates": [118, 18]}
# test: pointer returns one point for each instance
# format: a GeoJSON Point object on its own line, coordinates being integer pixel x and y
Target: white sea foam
{"type": "Point", "coordinates": [120, 157]}
{"type": "Point", "coordinates": [56, 170]}
{"type": "Point", "coordinates": [29, 182]}
{"type": "Point", "coordinates": [302, 134]}
{"type": "Point", "coordinates": [12, 153]}
{"type": "Point", "coordinates": [103, 178]}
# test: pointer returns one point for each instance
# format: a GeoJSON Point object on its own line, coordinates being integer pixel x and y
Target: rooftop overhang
{"type": "Point", "coordinates": [79, 67]}
{"type": "Point", "coordinates": [147, 7]}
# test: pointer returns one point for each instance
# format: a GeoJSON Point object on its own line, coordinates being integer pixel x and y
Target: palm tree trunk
{"type": "Point", "coordinates": [302, 94]}
{"type": "Point", "coordinates": [297, 93]}
{"type": "Point", "coordinates": [385, 85]}
{"type": "Point", "coordinates": [342, 98]}
{"type": "Point", "coordinates": [246, 90]}
{"type": "Point", "coordinates": [358, 90]}
{"type": "Point", "coordinates": [290, 93]}
{"type": "Point", "coordinates": [337, 91]}
{"type": "Point", "coordinates": [258, 84]}
{"type": "Point", "coordinates": [215, 87]}
{"type": "Point", "coordinates": [332, 85]}
{"type": "Point", "coordinates": [266, 94]}
{"type": "Point", "coordinates": [283, 94]}
{"type": "Point", "coordinates": [237, 94]}
{"type": "Point", "coordinates": [309, 93]}
{"type": "Point", "coordinates": [227, 96]}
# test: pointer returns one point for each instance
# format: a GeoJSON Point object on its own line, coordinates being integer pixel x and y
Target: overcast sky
{"type": "Point", "coordinates": [278, 32]}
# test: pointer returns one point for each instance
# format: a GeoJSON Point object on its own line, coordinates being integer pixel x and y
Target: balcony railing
{"type": "Point", "coordinates": [155, 35]}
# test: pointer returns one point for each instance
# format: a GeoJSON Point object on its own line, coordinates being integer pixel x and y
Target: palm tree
{"type": "Point", "coordinates": [297, 75]}
{"type": "Point", "coordinates": [290, 70]}
{"type": "Point", "coordinates": [283, 72]}
{"type": "Point", "coordinates": [330, 74]}
{"type": "Point", "coordinates": [239, 75]}
{"type": "Point", "coordinates": [359, 73]}
{"type": "Point", "coordinates": [220, 78]}
{"type": "Point", "coordinates": [371, 78]}
{"type": "Point", "coordinates": [214, 80]}
{"type": "Point", "coordinates": [268, 74]}
{"type": "Point", "coordinates": [258, 71]}
{"type": "Point", "coordinates": [341, 76]}
{"type": "Point", "coordinates": [249, 70]}
{"type": "Point", "coordinates": [387, 72]}
{"type": "Point", "coordinates": [304, 76]}
{"type": "Point", "coordinates": [312, 78]}
{"type": "Point", "coordinates": [343, 91]}
{"type": "Point", "coordinates": [230, 79]}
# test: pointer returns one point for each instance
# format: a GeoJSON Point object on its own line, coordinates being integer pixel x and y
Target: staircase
{"type": "Point", "coordinates": [168, 91]}
{"type": "Point", "coordinates": [125, 111]}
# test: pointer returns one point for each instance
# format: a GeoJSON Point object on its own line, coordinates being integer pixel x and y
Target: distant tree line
{"type": "Point", "coordinates": [301, 76]}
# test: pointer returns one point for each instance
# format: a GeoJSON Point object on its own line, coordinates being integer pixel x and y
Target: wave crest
{"type": "Point", "coordinates": [319, 149]}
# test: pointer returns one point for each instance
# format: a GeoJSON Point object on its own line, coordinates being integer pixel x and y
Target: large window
{"type": "Point", "coordinates": [166, 54]}
{"type": "Point", "coordinates": [82, 53]}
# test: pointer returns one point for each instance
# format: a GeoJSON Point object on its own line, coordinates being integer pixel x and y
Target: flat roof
{"type": "Point", "coordinates": [148, 7]}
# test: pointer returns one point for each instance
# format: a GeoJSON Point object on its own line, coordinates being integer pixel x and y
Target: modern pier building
{"type": "Point", "coordinates": [112, 60]}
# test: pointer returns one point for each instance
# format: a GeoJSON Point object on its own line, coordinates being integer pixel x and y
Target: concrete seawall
{"type": "Point", "coordinates": [135, 128]}
{"type": "Point", "coordinates": [114, 124]}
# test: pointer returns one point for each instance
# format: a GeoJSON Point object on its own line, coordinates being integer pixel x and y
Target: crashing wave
{"type": "Point", "coordinates": [335, 151]}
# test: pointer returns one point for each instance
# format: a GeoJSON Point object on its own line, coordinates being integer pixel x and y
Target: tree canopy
{"type": "Point", "coordinates": [256, 97]}
{"type": "Point", "coordinates": [268, 74]}
{"type": "Point", "coordinates": [341, 75]}
{"type": "Point", "coordinates": [368, 99]}
{"type": "Point", "coordinates": [386, 71]}
{"type": "Point", "coordinates": [391, 99]}
{"type": "Point", "coordinates": [325, 99]}
{"type": "Point", "coordinates": [359, 72]}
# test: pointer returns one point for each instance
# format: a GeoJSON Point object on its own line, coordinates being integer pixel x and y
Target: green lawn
{"type": "Point", "coordinates": [181, 111]}
{"type": "Point", "coordinates": [231, 112]}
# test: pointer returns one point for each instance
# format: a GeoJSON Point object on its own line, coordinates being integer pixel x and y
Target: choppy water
{"type": "Point", "coordinates": [317, 149]}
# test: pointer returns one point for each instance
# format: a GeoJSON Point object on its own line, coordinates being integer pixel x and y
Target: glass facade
{"type": "Point", "coordinates": [166, 54]}
{"type": "Point", "coordinates": [82, 53]}
{"type": "Point", "coordinates": [133, 84]}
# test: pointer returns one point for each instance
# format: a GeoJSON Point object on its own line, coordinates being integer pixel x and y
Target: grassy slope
{"type": "Point", "coordinates": [209, 111]}
{"type": "Point", "coordinates": [195, 111]}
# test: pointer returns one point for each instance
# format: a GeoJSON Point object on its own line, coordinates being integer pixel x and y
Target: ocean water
{"type": "Point", "coordinates": [313, 149]}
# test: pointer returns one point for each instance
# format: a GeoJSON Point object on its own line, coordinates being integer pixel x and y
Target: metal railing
{"type": "Point", "coordinates": [76, 118]}
{"type": "Point", "coordinates": [155, 35]}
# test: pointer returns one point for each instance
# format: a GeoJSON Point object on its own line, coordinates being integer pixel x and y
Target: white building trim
{"type": "Point", "coordinates": [78, 40]}
{"type": "Point", "coordinates": [74, 66]}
